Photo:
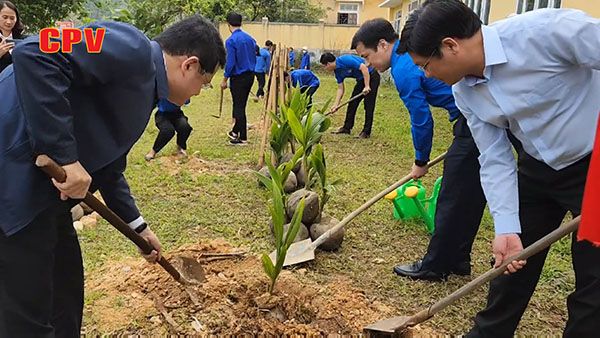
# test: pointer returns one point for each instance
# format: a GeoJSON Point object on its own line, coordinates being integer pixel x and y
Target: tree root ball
{"type": "Point", "coordinates": [288, 157]}
{"type": "Point", "coordinates": [264, 171]}
{"type": "Point", "coordinates": [300, 236]}
{"type": "Point", "coordinates": [335, 240]}
{"type": "Point", "coordinates": [312, 210]}
{"type": "Point", "coordinates": [301, 177]}
{"type": "Point", "coordinates": [290, 183]}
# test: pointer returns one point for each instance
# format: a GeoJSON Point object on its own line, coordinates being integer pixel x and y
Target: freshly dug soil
{"type": "Point", "coordinates": [133, 297]}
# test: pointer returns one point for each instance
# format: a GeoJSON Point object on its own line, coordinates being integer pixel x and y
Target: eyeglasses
{"type": "Point", "coordinates": [424, 66]}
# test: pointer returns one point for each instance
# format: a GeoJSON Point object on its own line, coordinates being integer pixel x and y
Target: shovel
{"type": "Point", "coordinates": [192, 271]}
{"type": "Point", "coordinates": [395, 326]}
{"type": "Point", "coordinates": [304, 251]}
{"type": "Point", "coordinates": [220, 105]}
{"type": "Point", "coordinates": [346, 102]}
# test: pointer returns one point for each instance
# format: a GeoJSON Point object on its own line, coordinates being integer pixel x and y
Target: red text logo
{"type": "Point", "coordinates": [71, 36]}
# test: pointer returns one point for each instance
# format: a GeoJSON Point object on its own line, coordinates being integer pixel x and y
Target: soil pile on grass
{"type": "Point", "coordinates": [135, 297]}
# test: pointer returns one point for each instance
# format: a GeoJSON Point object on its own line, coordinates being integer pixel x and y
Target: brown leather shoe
{"type": "Point", "coordinates": [363, 135]}
{"type": "Point", "coordinates": [341, 130]}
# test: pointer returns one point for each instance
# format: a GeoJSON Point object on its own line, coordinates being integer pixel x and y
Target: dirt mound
{"type": "Point", "coordinates": [135, 297]}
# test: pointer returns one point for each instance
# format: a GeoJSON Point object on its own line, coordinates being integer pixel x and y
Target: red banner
{"type": "Point", "coordinates": [589, 229]}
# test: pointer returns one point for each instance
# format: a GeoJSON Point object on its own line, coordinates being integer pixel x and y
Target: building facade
{"type": "Point", "coordinates": [489, 10]}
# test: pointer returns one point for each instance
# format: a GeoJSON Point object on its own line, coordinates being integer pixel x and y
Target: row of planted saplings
{"type": "Point", "coordinates": [298, 168]}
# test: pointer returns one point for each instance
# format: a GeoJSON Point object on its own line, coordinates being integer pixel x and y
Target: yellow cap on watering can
{"type": "Point", "coordinates": [411, 192]}
{"type": "Point", "coordinates": [391, 196]}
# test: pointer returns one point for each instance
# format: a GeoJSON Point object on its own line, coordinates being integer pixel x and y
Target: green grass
{"type": "Point", "coordinates": [186, 203]}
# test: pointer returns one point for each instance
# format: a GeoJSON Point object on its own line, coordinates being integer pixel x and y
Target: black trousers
{"type": "Point", "coordinates": [310, 91]}
{"type": "Point", "coordinates": [370, 100]}
{"type": "Point", "coordinates": [545, 196]}
{"type": "Point", "coordinates": [41, 278]}
{"type": "Point", "coordinates": [240, 89]}
{"type": "Point", "coordinates": [168, 125]}
{"type": "Point", "coordinates": [260, 77]}
{"type": "Point", "coordinates": [460, 205]}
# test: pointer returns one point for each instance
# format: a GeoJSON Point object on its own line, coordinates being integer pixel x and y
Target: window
{"type": "Point", "coordinates": [397, 21]}
{"type": "Point", "coordinates": [530, 5]}
{"type": "Point", "coordinates": [481, 8]}
{"type": "Point", "coordinates": [348, 14]}
{"type": "Point", "coordinates": [414, 5]}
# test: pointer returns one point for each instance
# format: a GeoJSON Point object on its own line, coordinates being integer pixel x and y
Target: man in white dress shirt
{"type": "Point", "coordinates": [531, 79]}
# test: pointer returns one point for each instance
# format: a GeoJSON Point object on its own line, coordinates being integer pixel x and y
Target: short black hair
{"type": "Point", "coordinates": [327, 58]}
{"type": "Point", "coordinates": [234, 19]}
{"type": "Point", "coordinates": [372, 31]}
{"type": "Point", "coordinates": [436, 20]}
{"type": "Point", "coordinates": [268, 43]}
{"type": "Point", "coordinates": [194, 36]}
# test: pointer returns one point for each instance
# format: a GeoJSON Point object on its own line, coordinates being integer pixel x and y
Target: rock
{"type": "Point", "coordinates": [78, 226]}
{"type": "Point", "coordinates": [333, 242]}
{"type": "Point", "coordinates": [311, 205]}
{"type": "Point", "coordinates": [265, 171]}
{"type": "Point", "coordinates": [86, 209]}
{"type": "Point", "coordinates": [288, 157]}
{"type": "Point", "coordinates": [300, 236]}
{"type": "Point", "coordinates": [89, 222]}
{"type": "Point", "coordinates": [290, 183]}
{"type": "Point", "coordinates": [76, 212]}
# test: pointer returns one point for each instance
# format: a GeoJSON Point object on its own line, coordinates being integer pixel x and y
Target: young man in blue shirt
{"type": "Point", "coordinates": [305, 61]}
{"type": "Point", "coordinates": [169, 120]}
{"type": "Point", "coordinates": [306, 80]}
{"type": "Point", "coordinates": [367, 82]}
{"type": "Point", "coordinates": [534, 77]}
{"type": "Point", "coordinates": [239, 70]}
{"type": "Point", "coordinates": [60, 105]}
{"type": "Point", "coordinates": [263, 63]}
{"type": "Point", "coordinates": [292, 58]}
{"type": "Point", "coordinates": [461, 201]}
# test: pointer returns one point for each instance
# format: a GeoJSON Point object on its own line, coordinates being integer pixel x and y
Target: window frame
{"type": "Point", "coordinates": [349, 12]}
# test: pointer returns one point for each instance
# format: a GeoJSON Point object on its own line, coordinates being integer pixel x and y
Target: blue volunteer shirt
{"type": "Point", "coordinates": [166, 107]}
{"type": "Point", "coordinates": [304, 78]}
{"type": "Point", "coordinates": [305, 62]}
{"type": "Point", "coordinates": [418, 92]}
{"type": "Point", "coordinates": [349, 66]}
{"type": "Point", "coordinates": [292, 58]}
{"type": "Point", "coordinates": [241, 53]}
{"type": "Point", "coordinates": [263, 61]}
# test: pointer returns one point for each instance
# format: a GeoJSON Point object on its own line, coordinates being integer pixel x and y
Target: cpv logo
{"type": "Point", "coordinates": [71, 36]}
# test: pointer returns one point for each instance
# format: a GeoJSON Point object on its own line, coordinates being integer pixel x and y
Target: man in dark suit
{"type": "Point", "coordinates": [85, 111]}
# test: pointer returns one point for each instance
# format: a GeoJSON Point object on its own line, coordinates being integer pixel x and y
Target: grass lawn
{"type": "Point", "coordinates": [213, 194]}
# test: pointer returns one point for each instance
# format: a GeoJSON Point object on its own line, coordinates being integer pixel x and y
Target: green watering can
{"type": "Point", "coordinates": [411, 202]}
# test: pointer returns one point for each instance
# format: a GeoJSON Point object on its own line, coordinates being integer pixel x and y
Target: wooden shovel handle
{"type": "Point", "coordinates": [346, 102]}
{"type": "Point", "coordinates": [531, 250]}
{"type": "Point", "coordinates": [52, 169]}
{"type": "Point", "coordinates": [370, 202]}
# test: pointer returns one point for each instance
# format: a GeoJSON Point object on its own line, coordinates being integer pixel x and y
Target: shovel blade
{"type": "Point", "coordinates": [191, 270]}
{"type": "Point", "coordinates": [297, 253]}
{"type": "Point", "coordinates": [391, 327]}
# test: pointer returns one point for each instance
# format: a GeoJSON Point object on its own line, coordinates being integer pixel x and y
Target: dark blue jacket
{"type": "Point", "coordinates": [241, 53]}
{"type": "Point", "coordinates": [72, 107]}
{"type": "Point", "coordinates": [419, 92]}
{"type": "Point", "coordinates": [263, 61]}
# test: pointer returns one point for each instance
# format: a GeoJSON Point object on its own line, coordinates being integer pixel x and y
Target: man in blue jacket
{"type": "Point", "coordinates": [305, 61]}
{"type": "Point", "coordinates": [60, 105]}
{"type": "Point", "coordinates": [239, 70]}
{"type": "Point", "coordinates": [306, 80]}
{"type": "Point", "coordinates": [367, 83]}
{"type": "Point", "coordinates": [461, 201]}
{"type": "Point", "coordinates": [263, 63]}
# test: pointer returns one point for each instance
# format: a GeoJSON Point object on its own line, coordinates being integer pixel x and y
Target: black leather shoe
{"type": "Point", "coordinates": [363, 135]}
{"type": "Point", "coordinates": [462, 269]}
{"type": "Point", "coordinates": [415, 271]}
{"type": "Point", "coordinates": [341, 130]}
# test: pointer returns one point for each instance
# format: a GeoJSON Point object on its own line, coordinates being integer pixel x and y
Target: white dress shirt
{"type": "Point", "coordinates": [541, 81]}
